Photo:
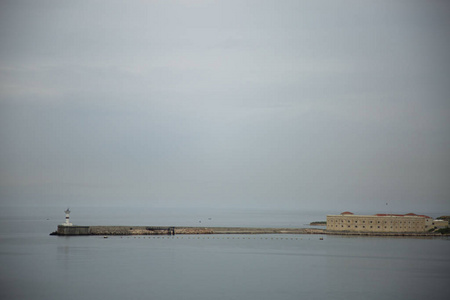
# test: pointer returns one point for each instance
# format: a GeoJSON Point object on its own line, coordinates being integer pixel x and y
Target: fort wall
{"type": "Point", "coordinates": [381, 223]}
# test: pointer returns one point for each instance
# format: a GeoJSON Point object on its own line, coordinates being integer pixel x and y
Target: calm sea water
{"type": "Point", "coordinates": [34, 265]}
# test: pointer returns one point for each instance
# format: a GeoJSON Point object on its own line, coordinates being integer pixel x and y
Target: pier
{"type": "Point", "coordinates": [76, 230]}
{"type": "Point", "coordinates": [172, 230]}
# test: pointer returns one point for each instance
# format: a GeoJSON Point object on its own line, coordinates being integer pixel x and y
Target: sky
{"type": "Point", "coordinates": [332, 105]}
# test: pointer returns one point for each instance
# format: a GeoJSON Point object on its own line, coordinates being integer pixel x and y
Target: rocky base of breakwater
{"type": "Point", "coordinates": [156, 230]}
{"type": "Point", "coordinates": [250, 230]}
{"type": "Point", "coordinates": [404, 234]}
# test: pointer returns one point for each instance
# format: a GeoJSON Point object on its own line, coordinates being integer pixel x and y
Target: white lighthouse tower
{"type": "Point", "coordinates": [67, 223]}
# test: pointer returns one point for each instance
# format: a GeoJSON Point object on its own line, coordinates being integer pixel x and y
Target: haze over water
{"type": "Point", "coordinates": [225, 104]}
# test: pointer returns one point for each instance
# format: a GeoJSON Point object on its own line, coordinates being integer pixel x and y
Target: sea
{"type": "Point", "coordinates": [35, 265]}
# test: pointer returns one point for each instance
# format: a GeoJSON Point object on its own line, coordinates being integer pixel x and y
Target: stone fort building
{"type": "Point", "coordinates": [348, 221]}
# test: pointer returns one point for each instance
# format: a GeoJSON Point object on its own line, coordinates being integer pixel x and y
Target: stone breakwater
{"type": "Point", "coordinates": [157, 230]}
{"type": "Point", "coordinates": [146, 230]}
{"type": "Point", "coordinates": [247, 230]}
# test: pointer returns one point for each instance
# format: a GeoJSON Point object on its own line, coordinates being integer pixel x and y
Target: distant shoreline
{"type": "Point", "coordinates": [318, 223]}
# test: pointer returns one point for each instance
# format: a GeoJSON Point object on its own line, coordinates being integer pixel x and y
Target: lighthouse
{"type": "Point", "coordinates": [67, 223]}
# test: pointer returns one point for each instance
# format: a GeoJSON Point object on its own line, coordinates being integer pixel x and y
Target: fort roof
{"type": "Point", "coordinates": [424, 216]}
{"type": "Point", "coordinates": [393, 215]}
{"type": "Point", "coordinates": [347, 213]}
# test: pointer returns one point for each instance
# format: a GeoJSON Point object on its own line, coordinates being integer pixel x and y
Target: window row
{"type": "Point", "coordinates": [377, 222]}
{"type": "Point", "coordinates": [391, 227]}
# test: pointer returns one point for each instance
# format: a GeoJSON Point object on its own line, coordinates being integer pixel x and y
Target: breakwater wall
{"type": "Point", "coordinates": [158, 230]}
{"type": "Point", "coordinates": [72, 230]}
{"type": "Point", "coordinates": [172, 230]}
{"type": "Point", "coordinates": [251, 230]}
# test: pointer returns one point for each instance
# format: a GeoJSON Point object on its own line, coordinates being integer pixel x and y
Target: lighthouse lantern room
{"type": "Point", "coordinates": [67, 223]}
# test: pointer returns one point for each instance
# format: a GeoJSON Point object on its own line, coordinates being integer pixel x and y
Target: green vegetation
{"type": "Point", "coordinates": [445, 230]}
{"type": "Point", "coordinates": [318, 223]}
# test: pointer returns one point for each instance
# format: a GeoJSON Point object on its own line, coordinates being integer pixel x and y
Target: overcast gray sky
{"type": "Point", "coordinates": [244, 104]}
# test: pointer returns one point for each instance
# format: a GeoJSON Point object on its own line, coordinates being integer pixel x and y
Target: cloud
{"type": "Point", "coordinates": [224, 104]}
